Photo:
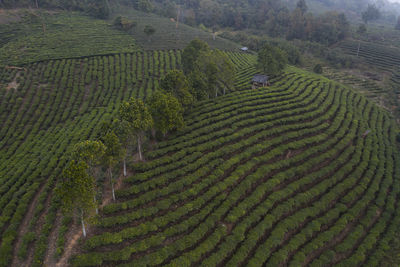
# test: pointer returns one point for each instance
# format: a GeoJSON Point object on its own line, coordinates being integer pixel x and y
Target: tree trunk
{"type": "Point", "coordinates": [153, 133]}
{"type": "Point", "coordinates": [224, 90]}
{"type": "Point", "coordinates": [112, 183]}
{"type": "Point", "coordinates": [37, 4]}
{"type": "Point", "coordinates": [108, 5]}
{"type": "Point", "coordinates": [95, 203]}
{"type": "Point", "coordinates": [83, 225]}
{"type": "Point", "coordinates": [139, 147]}
{"type": "Point", "coordinates": [216, 92]}
{"type": "Point", "coordinates": [124, 167]}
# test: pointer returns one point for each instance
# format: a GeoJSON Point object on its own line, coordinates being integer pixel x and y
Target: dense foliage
{"type": "Point", "coordinates": [271, 17]}
{"type": "Point", "coordinates": [271, 60]}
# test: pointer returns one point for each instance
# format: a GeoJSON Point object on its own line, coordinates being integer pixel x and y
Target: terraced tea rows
{"type": "Point", "coordinates": [46, 107]}
{"type": "Point", "coordinates": [279, 176]}
{"type": "Point", "coordinates": [169, 34]}
{"type": "Point", "coordinates": [57, 35]}
{"type": "Point", "coordinates": [385, 59]}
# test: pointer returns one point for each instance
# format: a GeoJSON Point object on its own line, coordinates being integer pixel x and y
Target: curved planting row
{"type": "Point", "coordinates": [284, 175]}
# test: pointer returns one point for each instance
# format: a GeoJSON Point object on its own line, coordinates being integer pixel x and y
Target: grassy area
{"type": "Point", "coordinates": [166, 35]}
{"type": "Point", "coordinates": [59, 35]}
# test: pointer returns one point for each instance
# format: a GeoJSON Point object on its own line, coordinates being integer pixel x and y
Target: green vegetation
{"type": "Point", "coordinates": [371, 13]}
{"type": "Point", "coordinates": [96, 8]}
{"type": "Point", "coordinates": [138, 119]}
{"type": "Point", "coordinates": [77, 190]}
{"type": "Point", "coordinates": [386, 60]}
{"type": "Point", "coordinates": [168, 34]}
{"type": "Point", "coordinates": [166, 111]}
{"type": "Point", "coordinates": [272, 60]}
{"type": "Point", "coordinates": [318, 69]}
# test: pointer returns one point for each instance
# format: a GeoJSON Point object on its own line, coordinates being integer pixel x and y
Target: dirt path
{"type": "Point", "coordinates": [72, 241]}
{"type": "Point", "coordinates": [49, 259]}
{"type": "Point", "coordinates": [23, 229]}
{"type": "Point", "coordinates": [14, 84]}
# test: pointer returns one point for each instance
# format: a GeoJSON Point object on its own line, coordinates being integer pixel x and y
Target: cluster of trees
{"type": "Point", "coordinates": [209, 72]}
{"type": "Point", "coordinates": [371, 13]}
{"type": "Point", "coordinates": [271, 59]}
{"type": "Point", "coordinates": [271, 16]}
{"type": "Point", "coordinates": [125, 24]}
{"type": "Point", "coordinates": [78, 189]}
{"type": "Point", "coordinates": [398, 23]}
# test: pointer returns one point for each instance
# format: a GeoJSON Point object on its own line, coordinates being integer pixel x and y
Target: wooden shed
{"type": "Point", "coordinates": [260, 81]}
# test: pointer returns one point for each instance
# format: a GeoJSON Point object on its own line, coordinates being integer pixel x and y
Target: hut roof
{"type": "Point", "coordinates": [260, 78]}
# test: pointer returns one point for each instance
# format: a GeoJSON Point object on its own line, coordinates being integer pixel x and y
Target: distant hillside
{"type": "Point", "coordinates": [54, 35]}
{"type": "Point", "coordinates": [168, 35]}
{"type": "Point", "coordinates": [350, 7]}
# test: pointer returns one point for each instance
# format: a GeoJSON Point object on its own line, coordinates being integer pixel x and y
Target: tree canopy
{"type": "Point", "coordinates": [149, 31]}
{"type": "Point", "coordinates": [166, 111]}
{"type": "Point", "coordinates": [371, 13]}
{"type": "Point", "coordinates": [271, 60]}
{"type": "Point", "coordinates": [176, 83]}
{"type": "Point", "coordinates": [216, 70]}
{"type": "Point", "coordinates": [191, 53]}
{"type": "Point", "coordinates": [77, 190]}
{"type": "Point", "coordinates": [112, 155]}
{"type": "Point", "coordinates": [138, 118]}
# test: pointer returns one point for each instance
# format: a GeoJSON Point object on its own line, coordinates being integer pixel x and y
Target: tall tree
{"type": "Point", "coordinates": [166, 111]}
{"type": "Point", "coordinates": [112, 155]}
{"type": "Point", "coordinates": [138, 118]}
{"type": "Point", "coordinates": [77, 190]}
{"type": "Point", "coordinates": [191, 53]}
{"type": "Point", "coordinates": [371, 13]}
{"type": "Point", "coordinates": [122, 130]}
{"type": "Point", "coordinates": [226, 71]}
{"type": "Point", "coordinates": [90, 152]}
{"type": "Point", "coordinates": [302, 5]}
{"type": "Point", "coordinates": [175, 82]}
{"type": "Point", "coordinates": [149, 31]}
{"type": "Point", "coordinates": [297, 26]}
{"type": "Point", "coordinates": [207, 71]}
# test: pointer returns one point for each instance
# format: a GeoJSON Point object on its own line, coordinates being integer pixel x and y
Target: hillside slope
{"type": "Point", "coordinates": [47, 107]}
{"type": "Point", "coordinates": [43, 35]}
{"type": "Point", "coordinates": [169, 34]}
{"type": "Point", "coordinates": [284, 175]}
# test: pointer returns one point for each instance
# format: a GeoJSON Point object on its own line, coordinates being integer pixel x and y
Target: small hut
{"type": "Point", "coordinates": [244, 49]}
{"type": "Point", "coordinates": [260, 81]}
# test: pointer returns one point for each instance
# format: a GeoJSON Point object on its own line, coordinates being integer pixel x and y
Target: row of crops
{"type": "Point", "coordinates": [45, 35]}
{"type": "Point", "coordinates": [385, 59]}
{"type": "Point", "coordinates": [281, 176]}
{"type": "Point", "coordinates": [45, 107]}
{"type": "Point", "coordinates": [372, 89]}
